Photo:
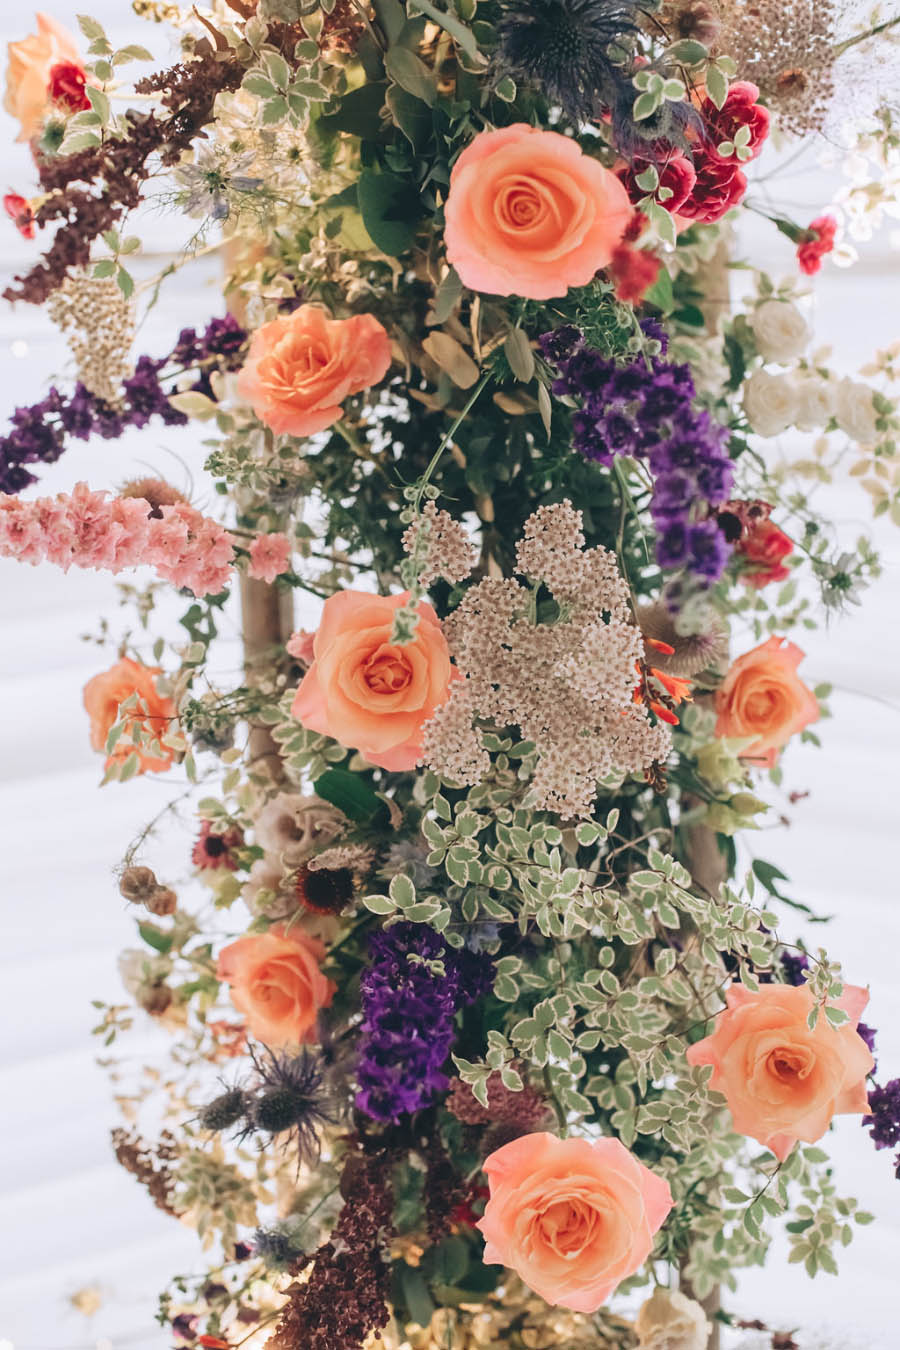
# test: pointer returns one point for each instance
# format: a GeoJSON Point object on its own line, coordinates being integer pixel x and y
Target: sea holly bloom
{"type": "Point", "coordinates": [28, 73]}
{"type": "Point", "coordinates": [572, 1218]}
{"type": "Point", "coordinates": [300, 368]}
{"type": "Point", "coordinates": [529, 214]}
{"type": "Point", "coordinates": [20, 213]}
{"type": "Point", "coordinates": [817, 241]}
{"type": "Point", "coordinates": [763, 697]}
{"type": "Point", "coordinates": [367, 691]}
{"type": "Point", "coordinates": [783, 1080]}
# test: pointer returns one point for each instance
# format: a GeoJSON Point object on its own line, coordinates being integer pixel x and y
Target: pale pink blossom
{"type": "Point", "coordinates": [270, 556]}
{"type": "Point", "coordinates": [302, 646]}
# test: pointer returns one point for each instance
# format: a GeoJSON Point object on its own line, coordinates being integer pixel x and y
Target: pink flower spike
{"type": "Point", "coordinates": [270, 556]}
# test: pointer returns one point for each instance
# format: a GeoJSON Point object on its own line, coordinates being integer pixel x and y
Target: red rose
{"type": "Point", "coordinates": [819, 241]}
{"type": "Point", "coordinates": [720, 185]}
{"type": "Point", "coordinates": [677, 174]}
{"type": "Point", "coordinates": [65, 85]}
{"type": "Point", "coordinates": [633, 272]}
{"type": "Point", "coordinates": [19, 210]}
{"type": "Point", "coordinates": [765, 545]}
{"type": "Point", "coordinates": [740, 109]}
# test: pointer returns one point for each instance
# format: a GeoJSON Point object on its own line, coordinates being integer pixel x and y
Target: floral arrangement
{"type": "Point", "coordinates": [479, 1018]}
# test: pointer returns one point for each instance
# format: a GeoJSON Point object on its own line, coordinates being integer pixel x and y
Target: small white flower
{"type": "Point", "coordinates": [855, 411]}
{"type": "Point", "coordinates": [770, 402]}
{"type": "Point", "coordinates": [670, 1321]}
{"type": "Point", "coordinates": [780, 330]}
{"type": "Point", "coordinates": [815, 404]}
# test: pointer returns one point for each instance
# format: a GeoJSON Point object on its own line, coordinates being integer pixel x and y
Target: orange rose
{"type": "Point", "coordinates": [571, 1218]}
{"type": "Point", "coordinates": [28, 72]}
{"type": "Point", "coordinates": [300, 368]}
{"type": "Point", "coordinates": [762, 696]}
{"type": "Point", "coordinates": [277, 984]}
{"type": "Point", "coordinates": [528, 214]}
{"type": "Point", "coordinates": [154, 715]}
{"type": "Point", "coordinates": [782, 1081]}
{"type": "Point", "coordinates": [368, 692]}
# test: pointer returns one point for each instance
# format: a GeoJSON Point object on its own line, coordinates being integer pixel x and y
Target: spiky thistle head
{"type": "Point", "coordinates": [290, 1098]}
{"type": "Point", "coordinates": [577, 53]}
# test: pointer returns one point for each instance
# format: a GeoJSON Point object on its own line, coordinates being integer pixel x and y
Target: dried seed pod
{"type": "Point", "coordinates": [162, 901]}
{"type": "Point", "coordinates": [155, 999]}
{"type": "Point", "coordinates": [138, 884]}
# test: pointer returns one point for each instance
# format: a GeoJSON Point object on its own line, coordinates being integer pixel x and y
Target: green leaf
{"type": "Point", "coordinates": [104, 268]}
{"type": "Point", "coordinates": [716, 85]}
{"type": "Point", "coordinates": [660, 293]}
{"type": "Point", "coordinates": [125, 282]}
{"type": "Point", "coordinates": [389, 206]}
{"type": "Point", "coordinates": [349, 793]}
{"type": "Point", "coordinates": [518, 352]}
{"type": "Point", "coordinates": [155, 938]}
{"type": "Point", "coordinates": [277, 69]}
{"type": "Point", "coordinates": [359, 113]}
{"type": "Point", "coordinates": [90, 27]}
{"type": "Point", "coordinates": [132, 52]}
{"type": "Point", "coordinates": [99, 102]}
{"type": "Point", "coordinates": [391, 17]}
{"type": "Point", "coordinates": [255, 82]}
{"type": "Point", "coordinates": [416, 1295]}
{"type": "Point", "coordinates": [275, 110]}
{"type": "Point", "coordinates": [402, 891]}
{"type": "Point", "coordinates": [405, 69]}
{"type": "Point", "coordinates": [505, 89]}
{"type": "Point", "coordinates": [463, 35]}
{"type": "Point", "coordinates": [379, 904]}
{"type": "Point", "coordinates": [412, 116]}
{"type": "Point", "coordinates": [687, 52]}
{"type": "Point", "coordinates": [645, 105]}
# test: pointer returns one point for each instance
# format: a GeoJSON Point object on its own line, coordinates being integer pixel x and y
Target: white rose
{"type": "Point", "coordinates": [815, 404]}
{"type": "Point", "coordinates": [780, 330]}
{"type": "Point", "coordinates": [770, 402]}
{"type": "Point", "coordinates": [855, 411]}
{"type": "Point", "coordinates": [670, 1321]}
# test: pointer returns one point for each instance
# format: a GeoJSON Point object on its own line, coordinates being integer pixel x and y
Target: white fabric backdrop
{"type": "Point", "coordinates": [68, 1216]}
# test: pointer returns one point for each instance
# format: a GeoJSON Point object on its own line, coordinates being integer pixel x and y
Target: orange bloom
{"type": "Point", "coordinates": [763, 696]}
{"type": "Point", "coordinates": [571, 1218]}
{"type": "Point", "coordinates": [300, 368]}
{"type": "Point", "coordinates": [153, 714]}
{"type": "Point", "coordinates": [29, 64]}
{"type": "Point", "coordinates": [528, 214]}
{"type": "Point", "coordinates": [368, 692]}
{"type": "Point", "coordinates": [678, 689]}
{"type": "Point", "coordinates": [277, 984]}
{"type": "Point", "coordinates": [782, 1081]}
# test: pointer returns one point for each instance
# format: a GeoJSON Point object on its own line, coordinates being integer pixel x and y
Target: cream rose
{"type": "Point", "coordinates": [855, 411]}
{"type": "Point", "coordinates": [780, 330]}
{"type": "Point", "coordinates": [815, 404]}
{"type": "Point", "coordinates": [670, 1321]}
{"type": "Point", "coordinates": [770, 402]}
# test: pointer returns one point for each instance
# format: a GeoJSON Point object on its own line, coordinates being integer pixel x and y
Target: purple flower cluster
{"type": "Point", "coordinates": [38, 433]}
{"type": "Point", "coordinates": [408, 1017]}
{"type": "Point", "coordinates": [646, 409]}
{"type": "Point", "coordinates": [883, 1122]}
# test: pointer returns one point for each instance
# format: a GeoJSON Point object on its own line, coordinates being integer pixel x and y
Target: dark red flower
{"type": "Point", "coordinates": [215, 849]}
{"type": "Point", "coordinates": [740, 109]}
{"type": "Point", "coordinates": [65, 86]}
{"type": "Point", "coordinates": [720, 185]}
{"type": "Point", "coordinates": [633, 271]}
{"type": "Point", "coordinates": [819, 241]}
{"type": "Point", "coordinates": [676, 173]}
{"type": "Point", "coordinates": [764, 546]}
{"type": "Point", "coordinates": [19, 211]}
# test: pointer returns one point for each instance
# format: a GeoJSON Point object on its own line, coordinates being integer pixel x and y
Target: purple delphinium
{"type": "Point", "coordinates": [408, 1017]}
{"type": "Point", "coordinates": [883, 1121]}
{"type": "Point", "coordinates": [795, 966]}
{"type": "Point", "coordinates": [38, 433]}
{"type": "Point", "coordinates": [645, 409]}
{"type": "Point", "coordinates": [868, 1034]}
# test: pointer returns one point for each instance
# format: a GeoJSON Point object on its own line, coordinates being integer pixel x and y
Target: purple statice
{"type": "Point", "coordinates": [38, 433]}
{"type": "Point", "coordinates": [646, 409]}
{"type": "Point", "coordinates": [883, 1121]}
{"type": "Point", "coordinates": [868, 1034]}
{"type": "Point", "coordinates": [408, 1017]}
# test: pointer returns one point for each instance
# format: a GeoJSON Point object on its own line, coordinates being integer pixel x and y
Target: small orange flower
{"type": "Point", "coordinates": [154, 714]}
{"type": "Point", "coordinates": [677, 690]}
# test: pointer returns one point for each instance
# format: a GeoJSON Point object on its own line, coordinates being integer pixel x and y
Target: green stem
{"type": "Point", "coordinates": [845, 46]}
{"type": "Point", "coordinates": [445, 441]}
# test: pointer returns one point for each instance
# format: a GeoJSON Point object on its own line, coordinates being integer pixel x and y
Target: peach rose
{"type": "Point", "coordinates": [29, 64]}
{"type": "Point", "coordinates": [300, 368]}
{"type": "Point", "coordinates": [571, 1218]}
{"type": "Point", "coordinates": [762, 696]}
{"type": "Point", "coordinates": [528, 214]}
{"type": "Point", "coordinates": [782, 1081]}
{"type": "Point", "coordinates": [368, 692]}
{"type": "Point", "coordinates": [277, 984]}
{"type": "Point", "coordinates": [105, 692]}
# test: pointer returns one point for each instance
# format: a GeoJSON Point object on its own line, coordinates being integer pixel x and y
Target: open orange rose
{"type": "Point", "coordinates": [154, 714]}
{"type": "Point", "coordinates": [277, 984]}
{"type": "Point", "coordinates": [300, 368]}
{"type": "Point", "coordinates": [529, 214]}
{"type": "Point", "coordinates": [29, 64]}
{"type": "Point", "coordinates": [571, 1218]}
{"type": "Point", "coordinates": [763, 696]}
{"type": "Point", "coordinates": [368, 692]}
{"type": "Point", "coordinates": [782, 1081]}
